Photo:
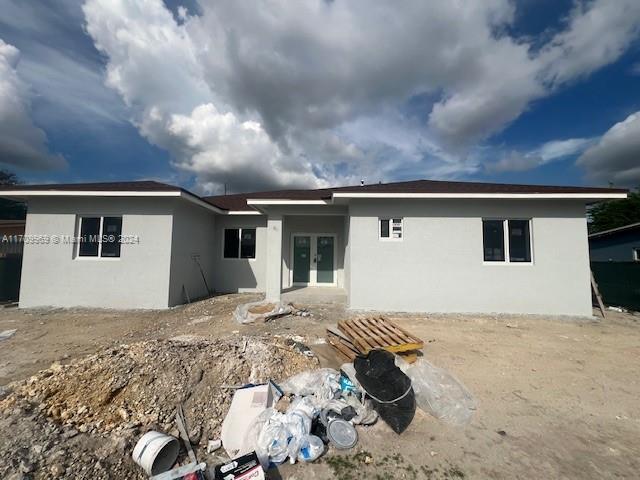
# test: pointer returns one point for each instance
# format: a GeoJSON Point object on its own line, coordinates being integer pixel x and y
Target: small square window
{"type": "Point", "coordinates": [100, 237]}
{"type": "Point", "coordinates": [506, 240]}
{"type": "Point", "coordinates": [390, 228]}
{"type": "Point", "coordinates": [239, 243]}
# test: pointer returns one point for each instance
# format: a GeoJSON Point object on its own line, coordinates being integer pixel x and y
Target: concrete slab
{"type": "Point", "coordinates": [314, 295]}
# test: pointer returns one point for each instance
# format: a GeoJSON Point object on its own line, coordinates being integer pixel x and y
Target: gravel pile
{"type": "Point", "coordinates": [82, 420]}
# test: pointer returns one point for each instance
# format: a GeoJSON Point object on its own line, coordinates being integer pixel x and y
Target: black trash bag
{"type": "Point", "coordinates": [388, 387]}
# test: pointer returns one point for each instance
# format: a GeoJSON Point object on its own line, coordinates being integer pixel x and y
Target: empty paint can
{"type": "Point", "coordinates": [342, 434]}
{"type": "Point", "coordinates": [156, 452]}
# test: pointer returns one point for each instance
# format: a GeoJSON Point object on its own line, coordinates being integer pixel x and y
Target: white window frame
{"type": "Point", "coordinates": [390, 238]}
{"type": "Point", "coordinates": [505, 232]}
{"type": "Point", "coordinates": [636, 254]}
{"type": "Point", "coordinates": [77, 255]}
{"type": "Point", "coordinates": [224, 236]}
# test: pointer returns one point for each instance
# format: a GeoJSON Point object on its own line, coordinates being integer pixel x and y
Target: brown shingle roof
{"type": "Point", "coordinates": [138, 186]}
{"type": "Point", "coordinates": [239, 201]}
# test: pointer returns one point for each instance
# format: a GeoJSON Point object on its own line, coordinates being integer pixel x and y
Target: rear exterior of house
{"type": "Point", "coordinates": [421, 246]}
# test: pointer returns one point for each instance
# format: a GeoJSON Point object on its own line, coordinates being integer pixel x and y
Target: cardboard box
{"type": "Point", "coordinates": [245, 407]}
{"type": "Point", "coordinates": [246, 467]}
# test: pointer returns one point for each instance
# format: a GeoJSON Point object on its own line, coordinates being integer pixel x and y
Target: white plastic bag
{"type": "Point", "coordinates": [438, 392]}
{"type": "Point", "coordinates": [271, 437]}
{"type": "Point", "coordinates": [323, 384]}
{"type": "Point", "coordinates": [310, 449]}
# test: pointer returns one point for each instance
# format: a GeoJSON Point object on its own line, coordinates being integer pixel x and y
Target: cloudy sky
{"type": "Point", "coordinates": [309, 93]}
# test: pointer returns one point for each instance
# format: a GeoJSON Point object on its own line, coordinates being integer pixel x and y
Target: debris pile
{"type": "Point", "coordinates": [109, 399]}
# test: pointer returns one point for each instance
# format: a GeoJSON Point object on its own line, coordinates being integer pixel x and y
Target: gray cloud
{"type": "Point", "coordinates": [285, 93]}
{"type": "Point", "coordinates": [616, 157]}
{"type": "Point", "coordinates": [22, 144]}
{"type": "Point", "coordinates": [515, 161]}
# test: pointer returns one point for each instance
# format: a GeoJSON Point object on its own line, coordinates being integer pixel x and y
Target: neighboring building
{"type": "Point", "coordinates": [615, 262]}
{"type": "Point", "coordinates": [620, 244]}
{"type": "Point", "coordinates": [420, 246]}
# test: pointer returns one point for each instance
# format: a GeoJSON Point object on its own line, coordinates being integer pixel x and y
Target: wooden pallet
{"type": "Point", "coordinates": [379, 332]}
{"type": "Point", "coordinates": [358, 337]}
{"type": "Point", "coordinates": [342, 344]}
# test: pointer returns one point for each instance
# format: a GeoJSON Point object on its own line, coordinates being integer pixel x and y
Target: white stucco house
{"type": "Point", "coordinates": [418, 246]}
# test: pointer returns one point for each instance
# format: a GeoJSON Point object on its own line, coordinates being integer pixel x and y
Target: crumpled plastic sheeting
{"type": "Point", "coordinates": [243, 315]}
{"type": "Point", "coordinates": [322, 383]}
{"type": "Point", "coordinates": [277, 436]}
{"type": "Point", "coordinates": [438, 392]}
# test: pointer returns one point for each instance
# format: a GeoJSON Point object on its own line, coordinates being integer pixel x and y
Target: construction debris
{"type": "Point", "coordinates": [359, 336]}
{"type": "Point", "coordinates": [6, 334]}
{"type": "Point", "coordinates": [82, 419]}
{"type": "Point", "coordinates": [262, 311]}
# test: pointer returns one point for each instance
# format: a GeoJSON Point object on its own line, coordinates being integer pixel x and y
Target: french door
{"type": "Point", "coordinates": [313, 259]}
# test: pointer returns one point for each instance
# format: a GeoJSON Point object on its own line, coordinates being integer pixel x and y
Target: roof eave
{"type": "Point", "coordinates": [563, 196]}
{"type": "Point", "coordinates": [21, 195]}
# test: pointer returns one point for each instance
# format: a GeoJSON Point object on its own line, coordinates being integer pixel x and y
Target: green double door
{"type": "Point", "coordinates": [313, 259]}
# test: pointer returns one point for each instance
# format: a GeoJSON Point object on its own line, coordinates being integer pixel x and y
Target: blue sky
{"type": "Point", "coordinates": [313, 93]}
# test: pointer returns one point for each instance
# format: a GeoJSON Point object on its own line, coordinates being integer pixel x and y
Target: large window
{"type": "Point", "coordinates": [390, 228]}
{"type": "Point", "coordinates": [507, 240]}
{"type": "Point", "coordinates": [100, 237]}
{"type": "Point", "coordinates": [239, 243]}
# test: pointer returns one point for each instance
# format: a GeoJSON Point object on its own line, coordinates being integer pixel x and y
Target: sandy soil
{"type": "Point", "coordinates": [557, 398]}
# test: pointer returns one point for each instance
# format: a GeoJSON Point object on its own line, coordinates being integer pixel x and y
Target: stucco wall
{"type": "Point", "coordinates": [193, 234]}
{"type": "Point", "coordinates": [240, 275]}
{"type": "Point", "coordinates": [51, 276]}
{"type": "Point", "coordinates": [333, 224]}
{"type": "Point", "coordinates": [438, 267]}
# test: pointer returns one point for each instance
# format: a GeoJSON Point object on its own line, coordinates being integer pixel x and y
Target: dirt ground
{"type": "Point", "coordinates": [557, 397]}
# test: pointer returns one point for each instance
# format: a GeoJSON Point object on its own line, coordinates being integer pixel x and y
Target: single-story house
{"type": "Point", "coordinates": [417, 246]}
{"type": "Point", "coordinates": [620, 244]}
{"type": "Point", "coordinates": [615, 262]}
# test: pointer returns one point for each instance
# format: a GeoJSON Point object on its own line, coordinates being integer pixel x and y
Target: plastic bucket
{"type": "Point", "coordinates": [342, 434]}
{"type": "Point", "coordinates": [156, 452]}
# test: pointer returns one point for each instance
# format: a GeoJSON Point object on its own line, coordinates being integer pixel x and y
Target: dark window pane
{"type": "Point", "coordinates": [493, 239]}
{"type": "Point", "coordinates": [231, 242]}
{"type": "Point", "coordinates": [89, 233]}
{"type": "Point", "coordinates": [248, 243]}
{"type": "Point", "coordinates": [519, 241]}
{"type": "Point", "coordinates": [384, 228]}
{"type": "Point", "coordinates": [111, 231]}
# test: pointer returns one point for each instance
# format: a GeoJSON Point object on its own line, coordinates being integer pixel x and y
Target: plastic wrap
{"type": "Point", "coordinates": [439, 393]}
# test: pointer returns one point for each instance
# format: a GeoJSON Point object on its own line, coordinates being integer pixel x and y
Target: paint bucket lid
{"type": "Point", "coordinates": [342, 434]}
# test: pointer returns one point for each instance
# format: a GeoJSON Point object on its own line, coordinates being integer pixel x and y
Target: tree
{"type": "Point", "coordinates": [616, 213]}
{"type": "Point", "coordinates": [10, 210]}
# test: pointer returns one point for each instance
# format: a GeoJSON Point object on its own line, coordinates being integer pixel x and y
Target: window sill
{"type": "Point", "coordinates": [97, 259]}
{"type": "Point", "coordinates": [390, 239]}
{"type": "Point", "coordinates": [238, 259]}
{"type": "Point", "coordinates": [514, 264]}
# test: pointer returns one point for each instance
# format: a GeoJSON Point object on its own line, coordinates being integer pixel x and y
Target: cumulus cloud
{"type": "Point", "coordinates": [289, 88]}
{"type": "Point", "coordinates": [22, 144]}
{"type": "Point", "coordinates": [616, 157]}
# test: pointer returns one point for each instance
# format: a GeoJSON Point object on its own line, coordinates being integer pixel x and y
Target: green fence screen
{"type": "Point", "coordinates": [10, 277]}
{"type": "Point", "coordinates": [619, 283]}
